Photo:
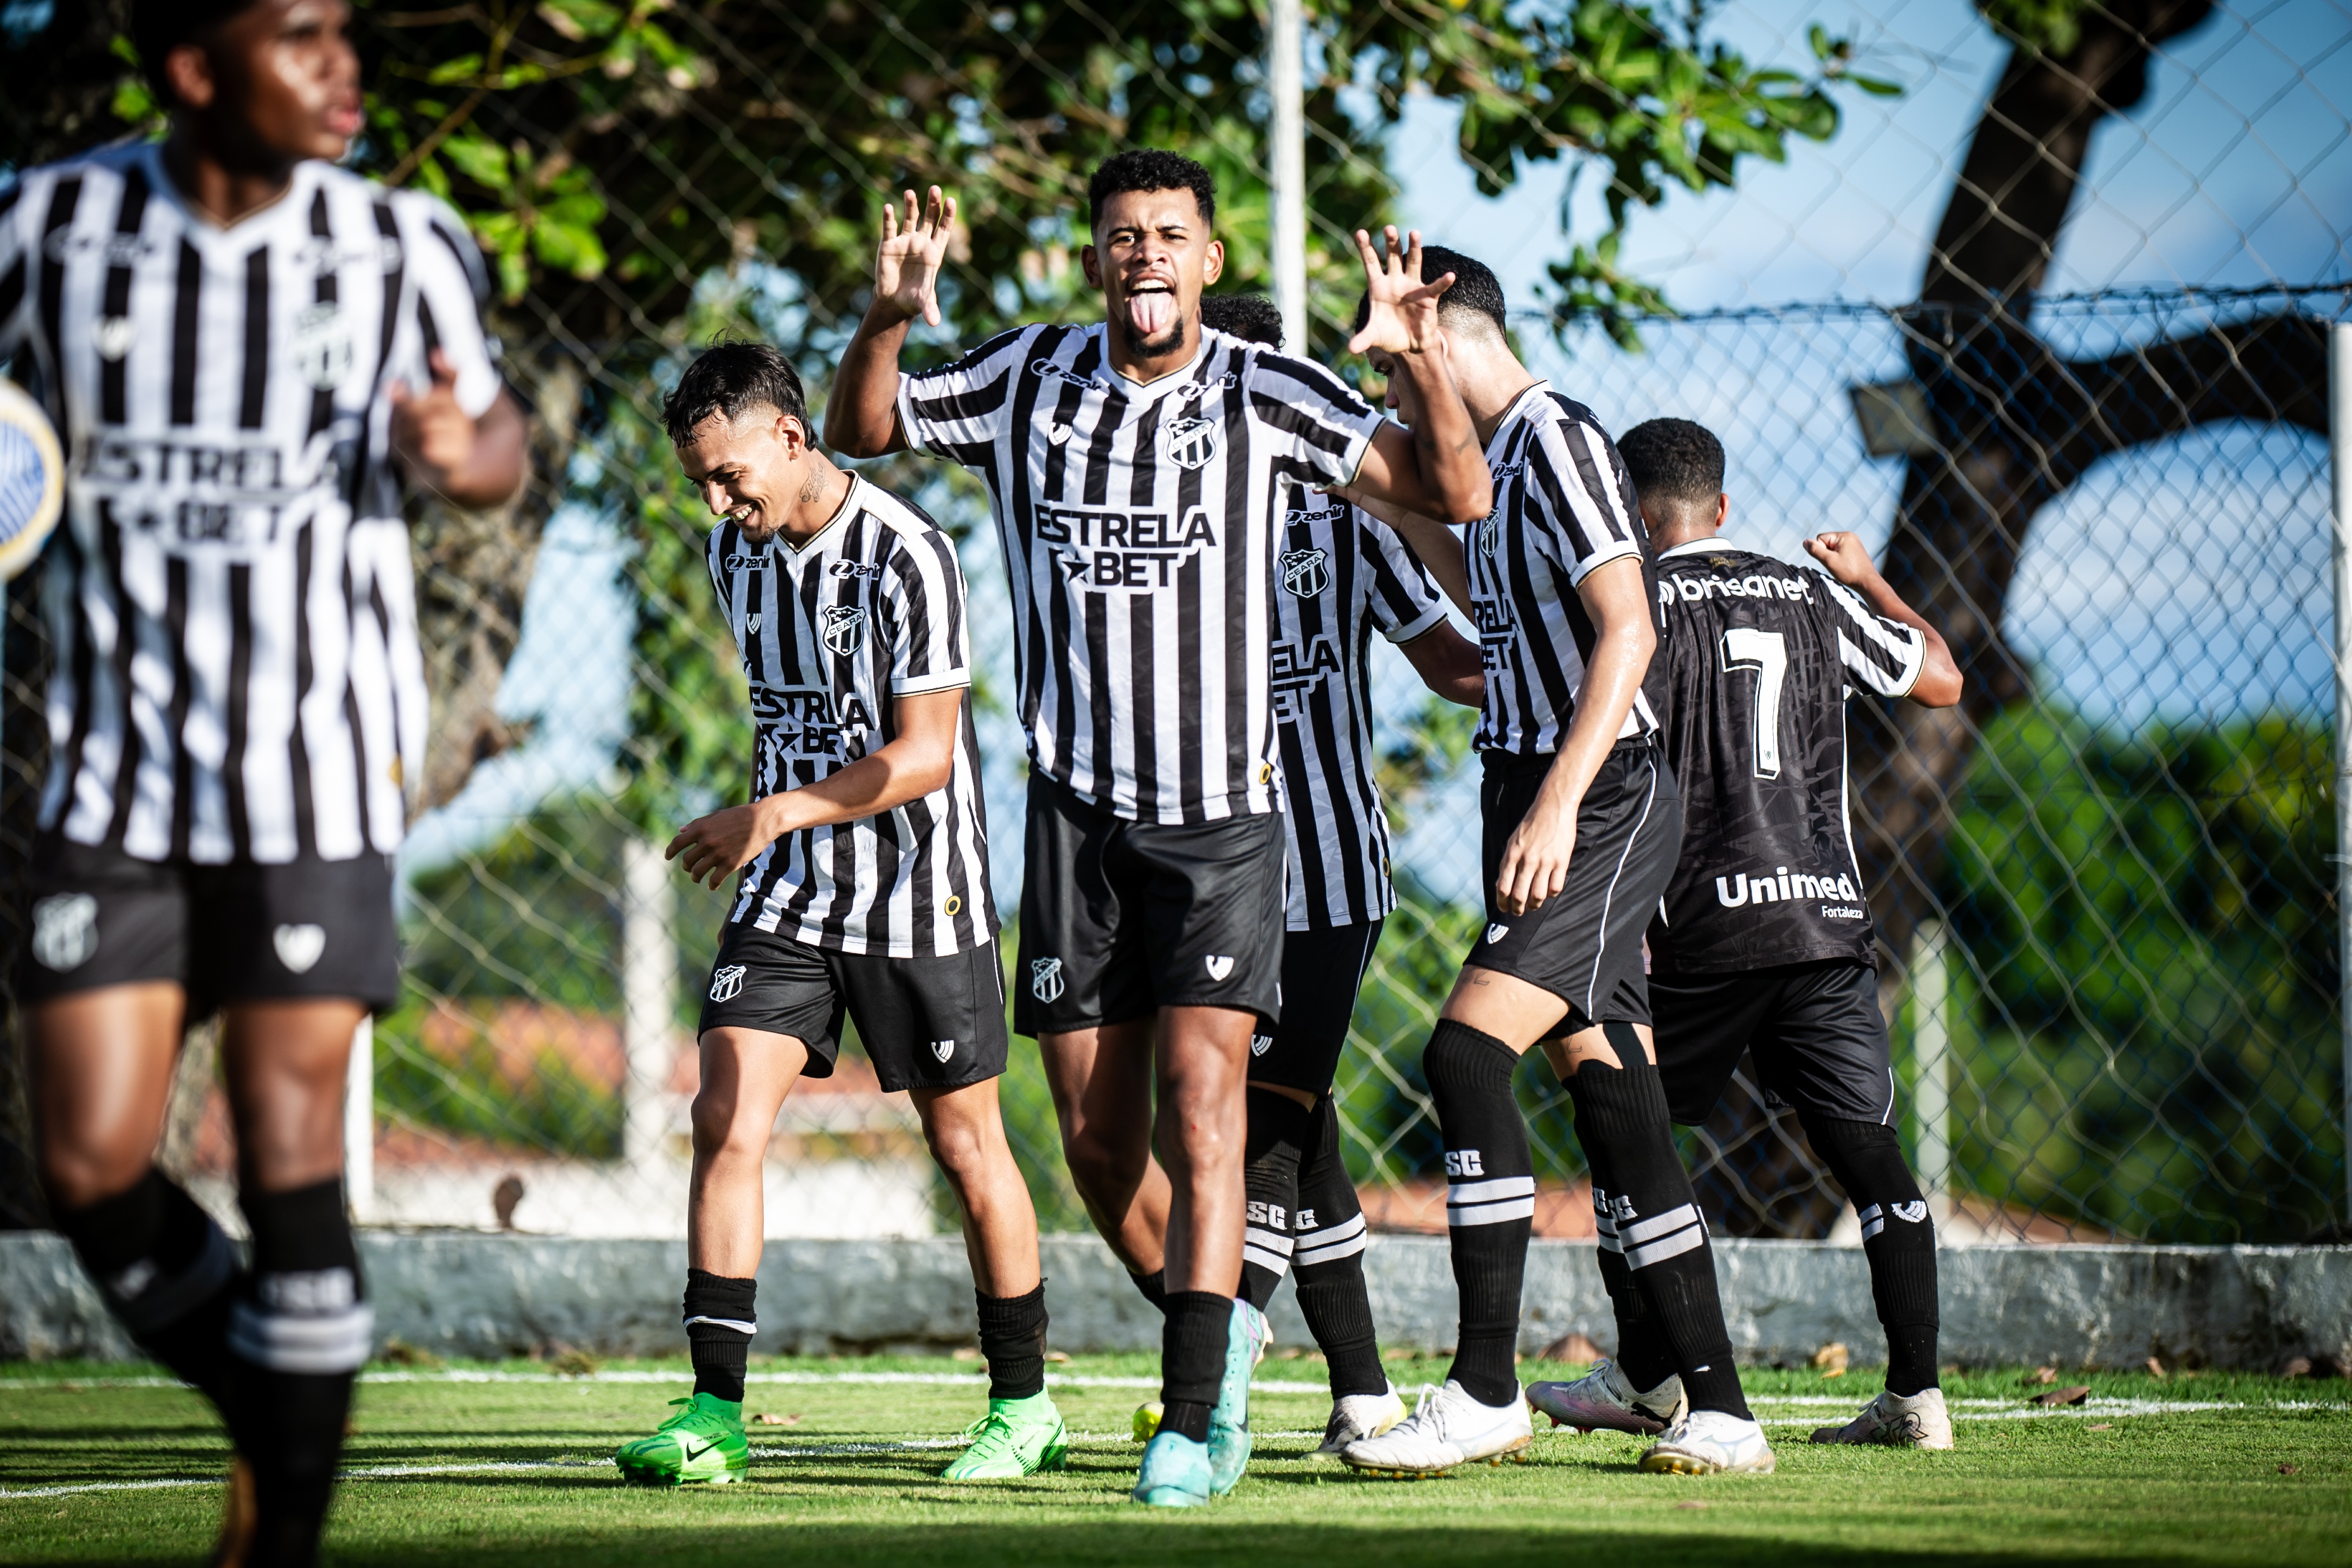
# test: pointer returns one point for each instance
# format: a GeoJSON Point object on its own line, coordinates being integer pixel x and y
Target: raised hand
{"type": "Point", "coordinates": [1403, 314]}
{"type": "Point", "coordinates": [430, 433]}
{"type": "Point", "coordinates": [906, 267]}
{"type": "Point", "coordinates": [1844, 556]}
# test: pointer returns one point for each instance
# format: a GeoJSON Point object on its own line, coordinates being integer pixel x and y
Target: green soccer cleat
{"type": "Point", "coordinates": [1017, 1437]}
{"type": "Point", "coordinates": [702, 1444]}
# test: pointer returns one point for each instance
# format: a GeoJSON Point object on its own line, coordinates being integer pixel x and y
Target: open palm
{"type": "Point", "coordinates": [1402, 317]}
{"type": "Point", "coordinates": [906, 267]}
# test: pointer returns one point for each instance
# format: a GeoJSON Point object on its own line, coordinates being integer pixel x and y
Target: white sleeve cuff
{"type": "Point", "coordinates": [916, 685]}
{"type": "Point", "coordinates": [1419, 626]}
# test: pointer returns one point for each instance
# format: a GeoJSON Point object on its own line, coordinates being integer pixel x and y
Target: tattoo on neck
{"type": "Point", "coordinates": [811, 491]}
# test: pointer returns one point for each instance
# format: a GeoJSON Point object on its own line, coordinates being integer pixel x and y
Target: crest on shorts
{"type": "Point", "coordinates": [1497, 933]}
{"type": "Point", "coordinates": [1192, 442]}
{"type": "Point", "coordinates": [727, 982]}
{"type": "Point", "coordinates": [944, 1049]}
{"type": "Point", "coordinates": [1912, 1212]}
{"type": "Point", "coordinates": [1219, 965]}
{"type": "Point", "coordinates": [1045, 979]}
{"type": "Point", "coordinates": [322, 345]}
{"type": "Point", "coordinates": [1261, 1044]}
{"type": "Point", "coordinates": [65, 930]}
{"type": "Point", "coordinates": [843, 628]}
{"type": "Point", "coordinates": [1305, 573]}
{"type": "Point", "coordinates": [299, 946]}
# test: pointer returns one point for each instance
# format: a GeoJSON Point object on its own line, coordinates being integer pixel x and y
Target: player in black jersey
{"type": "Point", "coordinates": [1581, 826]}
{"type": "Point", "coordinates": [1133, 470]}
{"type": "Point", "coordinates": [246, 348]}
{"type": "Point", "coordinates": [1764, 943]}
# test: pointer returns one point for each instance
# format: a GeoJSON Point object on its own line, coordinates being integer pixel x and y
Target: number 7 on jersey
{"type": "Point", "coordinates": [1766, 653]}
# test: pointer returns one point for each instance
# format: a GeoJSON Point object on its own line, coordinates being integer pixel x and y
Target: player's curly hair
{"type": "Point", "coordinates": [1149, 169]}
{"type": "Point", "coordinates": [1673, 460]}
{"type": "Point", "coordinates": [159, 27]}
{"type": "Point", "coordinates": [1249, 317]}
{"type": "Point", "coordinates": [1474, 291]}
{"type": "Point", "coordinates": [728, 378]}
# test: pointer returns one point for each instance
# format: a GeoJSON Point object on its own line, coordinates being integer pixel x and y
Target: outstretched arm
{"type": "Point", "coordinates": [1437, 468]}
{"type": "Point", "coordinates": [1437, 547]}
{"type": "Point", "coordinates": [861, 419]}
{"type": "Point", "coordinates": [1842, 555]}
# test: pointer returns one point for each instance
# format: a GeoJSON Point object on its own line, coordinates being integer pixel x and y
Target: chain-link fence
{"type": "Point", "coordinates": [2105, 883]}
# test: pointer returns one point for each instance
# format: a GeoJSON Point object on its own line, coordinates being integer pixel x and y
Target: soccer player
{"type": "Point", "coordinates": [1134, 469]}
{"type": "Point", "coordinates": [1581, 830]}
{"type": "Point", "coordinates": [1341, 575]}
{"type": "Point", "coordinates": [867, 892]}
{"type": "Point", "coordinates": [245, 349]}
{"type": "Point", "coordinates": [1764, 943]}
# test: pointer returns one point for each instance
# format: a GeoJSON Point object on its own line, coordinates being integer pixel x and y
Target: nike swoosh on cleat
{"type": "Point", "coordinates": [693, 1453]}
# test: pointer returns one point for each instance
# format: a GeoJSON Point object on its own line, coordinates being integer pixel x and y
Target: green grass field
{"type": "Point", "coordinates": [508, 1464]}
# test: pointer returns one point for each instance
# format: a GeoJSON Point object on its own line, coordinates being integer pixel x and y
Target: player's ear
{"type": "Point", "coordinates": [190, 75]}
{"type": "Point", "coordinates": [1213, 263]}
{"type": "Point", "coordinates": [1722, 511]}
{"type": "Point", "coordinates": [1092, 266]}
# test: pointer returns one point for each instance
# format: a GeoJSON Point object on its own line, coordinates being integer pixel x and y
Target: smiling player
{"type": "Point", "coordinates": [1135, 469]}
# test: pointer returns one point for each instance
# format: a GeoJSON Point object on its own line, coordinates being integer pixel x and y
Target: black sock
{"type": "Point", "coordinates": [1329, 1255]}
{"type": "Point", "coordinates": [1192, 1360]}
{"type": "Point", "coordinates": [1490, 1201]}
{"type": "Point", "coordinates": [1278, 1129]}
{"type": "Point", "coordinates": [298, 1334]}
{"type": "Point", "coordinates": [721, 1316]}
{"type": "Point", "coordinates": [1152, 1286]}
{"type": "Point", "coordinates": [1013, 1341]}
{"type": "Point", "coordinates": [1642, 1353]}
{"type": "Point", "coordinates": [166, 1271]}
{"type": "Point", "coordinates": [1897, 1237]}
{"type": "Point", "coordinates": [1621, 1121]}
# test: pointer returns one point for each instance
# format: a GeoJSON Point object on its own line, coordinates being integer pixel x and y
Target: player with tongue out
{"type": "Point", "coordinates": [1136, 470]}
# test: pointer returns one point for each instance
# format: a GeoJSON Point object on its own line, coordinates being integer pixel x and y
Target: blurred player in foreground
{"type": "Point", "coordinates": [864, 850]}
{"type": "Point", "coordinates": [1134, 467]}
{"type": "Point", "coordinates": [1764, 943]}
{"type": "Point", "coordinates": [244, 348]}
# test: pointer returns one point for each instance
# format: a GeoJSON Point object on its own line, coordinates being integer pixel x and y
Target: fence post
{"type": "Point", "coordinates": [2339, 452]}
{"type": "Point", "coordinates": [358, 1123]}
{"type": "Point", "coordinates": [1931, 1057]}
{"type": "Point", "coordinates": [1286, 74]}
{"type": "Point", "coordinates": [648, 980]}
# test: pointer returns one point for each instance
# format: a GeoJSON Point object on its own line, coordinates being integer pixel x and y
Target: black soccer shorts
{"type": "Point", "coordinates": [926, 1022]}
{"type": "Point", "coordinates": [1119, 919]}
{"type": "Point", "coordinates": [236, 933]}
{"type": "Point", "coordinates": [1818, 1038]}
{"type": "Point", "coordinates": [1584, 944]}
{"type": "Point", "coordinates": [1322, 970]}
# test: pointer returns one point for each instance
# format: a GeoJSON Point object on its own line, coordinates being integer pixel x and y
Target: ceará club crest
{"type": "Point", "coordinates": [1305, 573]}
{"type": "Point", "coordinates": [843, 628]}
{"type": "Point", "coordinates": [1191, 442]}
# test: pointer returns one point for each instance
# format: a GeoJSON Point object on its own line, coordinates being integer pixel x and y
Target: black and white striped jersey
{"type": "Point", "coordinates": [1760, 659]}
{"type": "Point", "coordinates": [1138, 524]}
{"type": "Point", "coordinates": [1563, 505]}
{"type": "Point", "coordinates": [831, 633]}
{"type": "Point", "coordinates": [237, 673]}
{"type": "Point", "coordinates": [1341, 575]}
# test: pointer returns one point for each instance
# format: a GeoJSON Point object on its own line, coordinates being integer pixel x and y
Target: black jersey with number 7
{"type": "Point", "coordinates": [1761, 657]}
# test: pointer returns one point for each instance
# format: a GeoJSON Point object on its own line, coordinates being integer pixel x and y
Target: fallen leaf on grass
{"type": "Point", "coordinates": [2100, 1426]}
{"type": "Point", "coordinates": [2043, 1374]}
{"type": "Point", "coordinates": [1690, 1505]}
{"type": "Point", "coordinates": [1571, 1347]}
{"type": "Point", "coordinates": [2073, 1394]}
{"type": "Point", "coordinates": [1830, 1360]}
{"type": "Point", "coordinates": [1057, 1358]}
{"type": "Point", "coordinates": [965, 1353]}
{"type": "Point", "coordinates": [2155, 1367]}
{"type": "Point", "coordinates": [2295, 1366]}
{"type": "Point", "coordinates": [765, 1419]}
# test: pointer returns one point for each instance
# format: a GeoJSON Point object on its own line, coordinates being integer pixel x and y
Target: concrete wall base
{"type": "Point", "coordinates": [458, 1293]}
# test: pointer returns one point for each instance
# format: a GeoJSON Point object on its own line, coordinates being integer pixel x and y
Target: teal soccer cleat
{"type": "Point", "coordinates": [1175, 1473]}
{"type": "Point", "coordinates": [1229, 1434]}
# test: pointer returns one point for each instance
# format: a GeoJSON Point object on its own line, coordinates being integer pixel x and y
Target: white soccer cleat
{"type": "Point", "coordinates": [1917, 1421]}
{"type": "Point", "coordinates": [1711, 1443]}
{"type": "Point", "coordinates": [1448, 1427]}
{"type": "Point", "coordinates": [1605, 1399]}
{"type": "Point", "coordinates": [1357, 1415]}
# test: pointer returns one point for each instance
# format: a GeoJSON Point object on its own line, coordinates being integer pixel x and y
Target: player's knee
{"type": "Point", "coordinates": [719, 1127]}
{"type": "Point", "coordinates": [78, 1171]}
{"type": "Point", "coordinates": [1866, 1157]}
{"type": "Point", "coordinates": [1099, 1164]}
{"type": "Point", "coordinates": [963, 1148]}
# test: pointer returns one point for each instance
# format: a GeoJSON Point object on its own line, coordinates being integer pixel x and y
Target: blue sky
{"type": "Point", "coordinates": [2185, 580]}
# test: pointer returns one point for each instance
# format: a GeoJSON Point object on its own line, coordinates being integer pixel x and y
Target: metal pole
{"type": "Point", "coordinates": [358, 1123]}
{"type": "Point", "coordinates": [2339, 452]}
{"type": "Point", "coordinates": [1931, 1054]}
{"type": "Point", "coordinates": [1286, 73]}
{"type": "Point", "coordinates": [648, 996]}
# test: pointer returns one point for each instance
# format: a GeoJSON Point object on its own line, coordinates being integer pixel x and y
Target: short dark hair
{"type": "Point", "coordinates": [1149, 169]}
{"type": "Point", "coordinates": [1673, 460]}
{"type": "Point", "coordinates": [1250, 316]}
{"type": "Point", "coordinates": [730, 378]}
{"type": "Point", "coordinates": [159, 27]}
{"type": "Point", "coordinates": [1474, 291]}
